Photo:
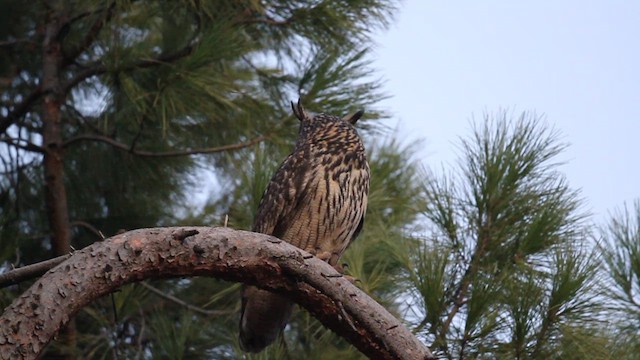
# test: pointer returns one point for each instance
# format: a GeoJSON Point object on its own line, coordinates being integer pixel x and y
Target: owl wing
{"type": "Point", "coordinates": [282, 196]}
{"type": "Point", "coordinates": [364, 203]}
{"type": "Point", "coordinates": [264, 314]}
{"type": "Point", "coordinates": [358, 229]}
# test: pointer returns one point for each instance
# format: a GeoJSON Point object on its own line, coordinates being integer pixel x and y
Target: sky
{"type": "Point", "coordinates": [577, 63]}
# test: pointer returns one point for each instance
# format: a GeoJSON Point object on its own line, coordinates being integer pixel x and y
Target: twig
{"type": "Point", "coordinates": [144, 153]}
{"type": "Point", "coordinates": [86, 225]}
{"type": "Point", "coordinates": [28, 146]}
{"type": "Point", "coordinates": [91, 34]}
{"type": "Point", "coordinates": [99, 69]}
{"type": "Point", "coordinates": [20, 109]}
{"type": "Point", "coordinates": [9, 43]}
{"type": "Point", "coordinates": [28, 272]}
{"type": "Point", "coordinates": [461, 291]}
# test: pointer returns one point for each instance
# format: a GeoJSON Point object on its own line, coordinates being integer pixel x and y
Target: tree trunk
{"type": "Point", "coordinates": [55, 192]}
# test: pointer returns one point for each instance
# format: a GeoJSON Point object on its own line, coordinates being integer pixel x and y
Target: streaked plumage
{"type": "Point", "coordinates": [316, 201]}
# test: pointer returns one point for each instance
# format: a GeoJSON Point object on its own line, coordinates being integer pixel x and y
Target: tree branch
{"type": "Point", "coordinates": [121, 146]}
{"type": "Point", "coordinates": [32, 320]}
{"type": "Point", "coordinates": [91, 34]}
{"type": "Point", "coordinates": [28, 146]}
{"type": "Point", "coordinates": [83, 224]}
{"type": "Point", "coordinates": [253, 16]}
{"type": "Point", "coordinates": [99, 69]}
{"type": "Point", "coordinates": [27, 272]}
{"type": "Point", "coordinates": [9, 43]}
{"type": "Point", "coordinates": [266, 20]}
{"type": "Point", "coordinates": [465, 282]}
{"type": "Point", "coordinates": [20, 109]}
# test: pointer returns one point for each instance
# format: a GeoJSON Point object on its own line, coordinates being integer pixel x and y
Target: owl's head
{"type": "Point", "coordinates": [323, 131]}
{"type": "Point", "coordinates": [302, 115]}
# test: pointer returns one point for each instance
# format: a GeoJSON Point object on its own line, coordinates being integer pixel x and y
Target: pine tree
{"type": "Point", "coordinates": [505, 270]}
{"type": "Point", "coordinates": [621, 289]}
{"type": "Point", "coordinates": [112, 114]}
{"type": "Point", "coordinates": [129, 114]}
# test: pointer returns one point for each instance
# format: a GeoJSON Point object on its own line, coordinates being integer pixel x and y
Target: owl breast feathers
{"type": "Point", "coordinates": [316, 201]}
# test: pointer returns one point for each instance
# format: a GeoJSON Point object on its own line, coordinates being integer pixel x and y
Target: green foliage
{"type": "Point", "coordinates": [489, 260]}
{"type": "Point", "coordinates": [621, 255]}
{"type": "Point", "coordinates": [150, 90]}
{"type": "Point", "coordinates": [394, 203]}
{"type": "Point", "coordinates": [504, 269]}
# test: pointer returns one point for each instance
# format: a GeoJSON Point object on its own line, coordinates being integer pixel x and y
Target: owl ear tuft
{"type": "Point", "coordinates": [353, 118]}
{"type": "Point", "coordinates": [299, 111]}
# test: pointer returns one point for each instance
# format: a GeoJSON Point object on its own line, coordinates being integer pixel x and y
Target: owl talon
{"type": "Point", "coordinates": [333, 275]}
{"type": "Point", "coordinates": [351, 279]}
{"type": "Point", "coordinates": [339, 268]}
{"type": "Point", "coordinates": [324, 255]}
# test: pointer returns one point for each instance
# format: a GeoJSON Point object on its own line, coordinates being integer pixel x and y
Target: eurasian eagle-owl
{"type": "Point", "coordinates": [316, 201]}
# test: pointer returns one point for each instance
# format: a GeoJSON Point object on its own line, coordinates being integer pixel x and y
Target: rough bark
{"type": "Point", "coordinates": [32, 320]}
{"type": "Point", "coordinates": [55, 192]}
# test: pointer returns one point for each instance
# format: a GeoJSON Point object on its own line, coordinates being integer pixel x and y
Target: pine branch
{"type": "Point", "coordinates": [26, 145]}
{"type": "Point", "coordinates": [33, 319]}
{"type": "Point", "coordinates": [461, 292]}
{"type": "Point", "coordinates": [91, 34]}
{"type": "Point", "coordinates": [251, 16]}
{"type": "Point", "coordinates": [20, 109]}
{"type": "Point", "coordinates": [121, 146]}
{"type": "Point", "coordinates": [546, 325]}
{"type": "Point", "coordinates": [266, 20]}
{"type": "Point", "coordinates": [99, 69]}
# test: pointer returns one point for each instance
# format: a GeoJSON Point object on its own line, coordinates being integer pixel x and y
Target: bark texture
{"type": "Point", "coordinates": [28, 324]}
{"type": "Point", "coordinates": [55, 192]}
{"type": "Point", "coordinates": [54, 189]}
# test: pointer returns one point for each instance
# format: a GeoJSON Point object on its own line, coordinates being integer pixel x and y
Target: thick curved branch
{"type": "Point", "coordinates": [121, 146]}
{"type": "Point", "coordinates": [33, 319]}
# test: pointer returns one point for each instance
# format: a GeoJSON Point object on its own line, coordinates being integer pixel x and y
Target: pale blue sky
{"type": "Point", "coordinates": [576, 62]}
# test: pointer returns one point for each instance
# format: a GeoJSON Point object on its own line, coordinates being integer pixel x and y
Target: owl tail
{"type": "Point", "coordinates": [263, 316]}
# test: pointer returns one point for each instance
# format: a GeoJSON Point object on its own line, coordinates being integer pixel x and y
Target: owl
{"type": "Point", "coordinates": [316, 201]}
